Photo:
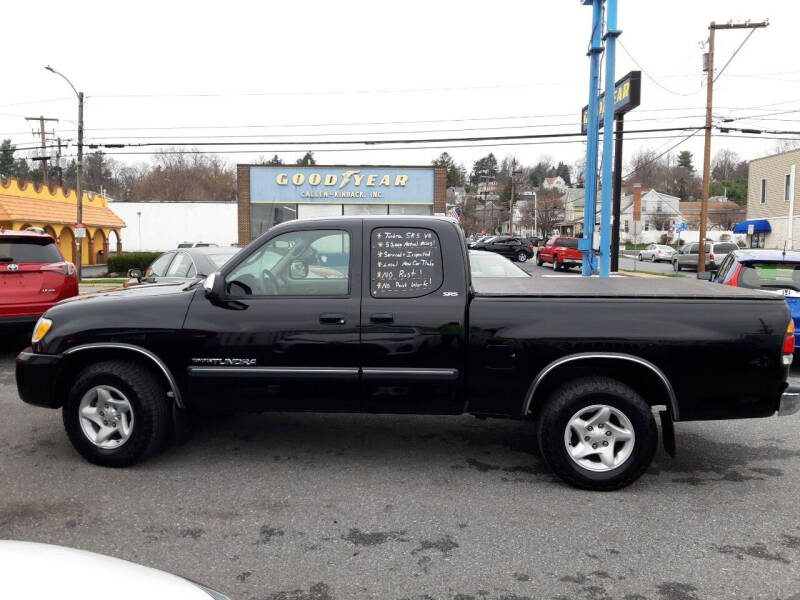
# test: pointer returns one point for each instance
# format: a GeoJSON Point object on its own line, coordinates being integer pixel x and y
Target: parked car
{"type": "Point", "coordinates": [686, 257]}
{"type": "Point", "coordinates": [33, 277]}
{"type": "Point", "coordinates": [519, 249]}
{"type": "Point", "coordinates": [775, 271]}
{"type": "Point", "coordinates": [657, 253]}
{"type": "Point", "coordinates": [480, 243]}
{"type": "Point", "coordinates": [490, 264]}
{"type": "Point", "coordinates": [562, 252]}
{"type": "Point", "coordinates": [34, 571]}
{"type": "Point", "coordinates": [196, 245]}
{"type": "Point", "coordinates": [409, 330]}
{"type": "Point", "coordinates": [178, 266]}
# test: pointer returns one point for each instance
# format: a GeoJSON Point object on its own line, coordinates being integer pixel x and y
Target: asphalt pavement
{"type": "Point", "coordinates": [325, 506]}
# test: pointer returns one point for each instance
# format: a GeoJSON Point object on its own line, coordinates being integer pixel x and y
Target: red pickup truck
{"type": "Point", "coordinates": [561, 251]}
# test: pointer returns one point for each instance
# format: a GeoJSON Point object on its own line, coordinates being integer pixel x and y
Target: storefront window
{"type": "Point", "coordinates": [757, 240]}
{"type": "Point", "coordinates": [306, 211]}
{"type": "Point", "coordinates": [410, 209]}
{"type": "Point", "coordinates": [264, 216]}
{"type": "Point", "coordinates": [365, 209]}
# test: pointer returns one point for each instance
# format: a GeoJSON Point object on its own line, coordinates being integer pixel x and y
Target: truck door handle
{"type": "Point", "coordinates": [382, 318]}
{"type": "Point", "coordinates": [334, 318]}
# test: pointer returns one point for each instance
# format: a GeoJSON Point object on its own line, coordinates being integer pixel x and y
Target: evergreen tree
{"type": "Point", "coordinates": [685, 160]}
{"type": "Point", "coordinates": [307, 160]}
{"type": "Point", "coordinates": [7, 162]}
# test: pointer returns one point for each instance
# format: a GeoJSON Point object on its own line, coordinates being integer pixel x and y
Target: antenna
{"type": "Point", "coordinates": [784, 248]}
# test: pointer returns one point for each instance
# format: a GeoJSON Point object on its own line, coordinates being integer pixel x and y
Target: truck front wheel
{"type": "Point", "coordinates": [116, 413]}
{"type": "Point", "coordinates": [597, 433]}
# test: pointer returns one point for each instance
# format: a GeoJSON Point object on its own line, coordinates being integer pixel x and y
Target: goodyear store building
{"type": "Point", "coordinates": [269, 195]}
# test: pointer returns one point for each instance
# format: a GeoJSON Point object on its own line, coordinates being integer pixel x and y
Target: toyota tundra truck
{"type": "Point", "coordinates": [381, 315]}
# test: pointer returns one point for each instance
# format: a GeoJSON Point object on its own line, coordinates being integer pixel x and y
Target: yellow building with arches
{"type": "Point", "coordinates": [26, 204]}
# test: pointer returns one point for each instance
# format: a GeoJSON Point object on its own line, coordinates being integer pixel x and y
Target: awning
{"type": "Point", "coordinates": [759, 226]}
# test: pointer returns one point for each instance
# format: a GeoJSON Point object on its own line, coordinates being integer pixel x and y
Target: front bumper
{"type": "Point", "coordinates": [790, 401]}
{"type": "Point", "coordinates": [36, 378]}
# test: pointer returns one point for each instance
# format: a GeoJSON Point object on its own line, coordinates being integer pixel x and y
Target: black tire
{"type": "Point", "coordinates": [640, 257]}
{"type": "Point", "coordinates": [653, 258]}
{"type": "Point", "coordinates": [539, 261]}
{"type": "Point", "coordinates": [148, 400]}
{"type": "Point", "coordinates": [584, 392]}
{"type": "Point", "coordinates": [676, 266]}
{"type": "Point", "coordinates": [522, 256]}
{"type": "Point", "coordinates": [556, 266]}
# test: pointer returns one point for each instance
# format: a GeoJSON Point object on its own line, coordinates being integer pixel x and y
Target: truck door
{"type": "Point", "coordinates": [285, 336]}
{"type": "Point", "coordinates": [413, 317]}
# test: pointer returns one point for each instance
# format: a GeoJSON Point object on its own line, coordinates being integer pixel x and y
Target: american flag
{"type": "Point", "coordinates": [455, 212]}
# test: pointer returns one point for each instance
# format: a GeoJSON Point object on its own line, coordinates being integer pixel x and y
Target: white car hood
{"type": "Point", "coordinates": [32, 571]}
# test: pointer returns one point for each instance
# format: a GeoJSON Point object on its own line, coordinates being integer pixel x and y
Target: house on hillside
{"type": "Point", "coordinates": [554, 183]}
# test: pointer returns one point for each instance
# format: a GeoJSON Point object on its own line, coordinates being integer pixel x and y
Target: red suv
{"type": "Point", "coordinates": [33, 276]}
{"type": "Point", "coordinates": [561, 251]}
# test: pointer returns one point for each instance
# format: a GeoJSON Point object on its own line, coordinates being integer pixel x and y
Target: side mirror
{"type": "Point", "coordinates": [213, 286]}
{"type": "Point", "coordinates": [135, 274]}
{"type": "Point", "coordinates": [298, 269]}
{"type": "Point", "coordinates": [706, 276]}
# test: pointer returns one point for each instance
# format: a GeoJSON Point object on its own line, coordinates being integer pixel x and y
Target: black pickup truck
{"type": "Point", "coordinates": [381, 315]}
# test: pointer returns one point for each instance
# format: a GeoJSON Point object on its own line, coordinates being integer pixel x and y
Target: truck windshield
{"type": "Point", "coordinates": [766, 276]}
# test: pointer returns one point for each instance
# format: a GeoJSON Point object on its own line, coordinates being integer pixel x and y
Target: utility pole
{"type": "Point", "coordinates": [701, 256]}
{"type": "Point", "coordinates": [78, 182]}
{"type": "Point", "coordinates": [43, 158]}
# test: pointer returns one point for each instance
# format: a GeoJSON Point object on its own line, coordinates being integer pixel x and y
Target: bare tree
{"type": "Point", "coordinates": [724, 165]}
{"type": "Point", "coordinates": [550, 211]}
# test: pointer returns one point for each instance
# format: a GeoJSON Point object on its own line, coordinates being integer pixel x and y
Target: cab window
{"type": "Point", "coordinates": [298, 263]}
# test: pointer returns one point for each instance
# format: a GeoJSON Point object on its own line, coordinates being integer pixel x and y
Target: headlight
{"type": "Point", "coordinates": [40, 329]}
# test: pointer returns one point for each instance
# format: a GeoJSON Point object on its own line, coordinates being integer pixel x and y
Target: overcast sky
{"type": "Point", "coordinates": [185, 71]}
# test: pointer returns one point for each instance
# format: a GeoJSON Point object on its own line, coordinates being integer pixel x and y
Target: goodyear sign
{"type": "Point", "coordinates": [627, 94]}
{"type": "Point", "coordinates": [341, 185]}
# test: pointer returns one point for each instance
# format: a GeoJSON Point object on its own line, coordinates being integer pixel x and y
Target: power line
{"type": "Point", "coordinates": [653, 79]}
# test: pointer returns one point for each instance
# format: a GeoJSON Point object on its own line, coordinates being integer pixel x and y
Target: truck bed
{"type": "Point", "coordinates": [616, 287]}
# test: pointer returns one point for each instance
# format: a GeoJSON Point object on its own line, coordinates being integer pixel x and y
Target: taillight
{"type": "Point", "coordinates": [734, 280]}
{"type": "Point", "coordinates": [710, 257]}
{"type": "Point", "coordinates": [530, 247]}
{"type": "Point", "coordinates": [64, 268]}
{"type": "Point", "coordinates": [788, 344]}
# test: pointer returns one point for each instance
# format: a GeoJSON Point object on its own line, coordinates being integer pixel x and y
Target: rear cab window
{"type": "Point", "coordinates": [405, 262]}
{"type": "Point", "coordinates": [566, 243]}
{"type": "Point", "coordinates": [35, 250]}
{"type": "Point", "coordinates": [770, 276]}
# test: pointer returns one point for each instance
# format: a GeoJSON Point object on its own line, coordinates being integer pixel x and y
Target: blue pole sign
{"type": "Point", "coordinates": [627, 95]}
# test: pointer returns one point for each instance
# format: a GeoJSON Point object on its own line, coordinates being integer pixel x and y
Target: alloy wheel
{"type": "Point", "coordinates": [599, 438]}
{"type": "Point", "coordinates": [106, 416]}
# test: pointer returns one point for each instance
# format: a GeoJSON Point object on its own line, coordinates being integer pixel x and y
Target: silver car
{"type": "Point", "coordinates": [656, 253]}
{"type": "Point", "coordinates": [686, 257]}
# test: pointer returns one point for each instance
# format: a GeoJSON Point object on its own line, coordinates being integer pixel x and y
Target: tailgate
{"type": "Point", "coordinates": [27, 289]}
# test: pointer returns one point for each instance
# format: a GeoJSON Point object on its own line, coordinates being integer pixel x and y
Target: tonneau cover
{"type": "Point", "coordinates": [613, 287]}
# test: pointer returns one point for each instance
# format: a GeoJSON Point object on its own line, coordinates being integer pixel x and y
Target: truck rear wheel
{"type": "Point", "coordinates": [596, 433]}
{"type": "Point", "coordinates": [116, 413]}
{"type": "Point", "coordinates": [539, 261]}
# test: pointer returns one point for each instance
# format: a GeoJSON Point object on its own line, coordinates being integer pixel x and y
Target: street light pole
{"type": "Point", "coordinates": [79, 172]}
